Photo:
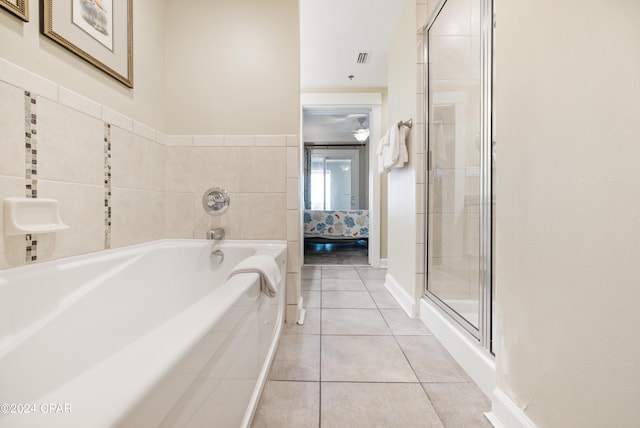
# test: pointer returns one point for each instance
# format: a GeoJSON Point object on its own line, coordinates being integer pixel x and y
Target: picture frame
{"type": "Point", "coordinates": [20, 8]}
{"type": "Point", "coordinates": [98, 31]}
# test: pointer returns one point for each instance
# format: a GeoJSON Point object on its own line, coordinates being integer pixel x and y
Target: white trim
{"type": "Point", "coordinates": [505, 414]}
{"type": "Point", "coordinates": [464, 348]}
{"type": "Point", "coordinates": [372, 101]}
{"type": "Point", "coordinates": [341, 98]}
{"type": "Point", "coordinates": [384, 263]}
{"type": "Point", "coordinates": [406, 302]}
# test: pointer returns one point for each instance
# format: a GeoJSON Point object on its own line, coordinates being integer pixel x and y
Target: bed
{"type": "Point", "coordinates": [332, 226]}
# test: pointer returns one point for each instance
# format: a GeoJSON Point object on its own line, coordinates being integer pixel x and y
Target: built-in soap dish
{"type": "Point", "coordinates": [26, 215]}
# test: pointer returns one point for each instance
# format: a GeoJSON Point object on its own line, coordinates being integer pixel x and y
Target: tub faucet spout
{"type": "Point", "coordinates": [215, 234]}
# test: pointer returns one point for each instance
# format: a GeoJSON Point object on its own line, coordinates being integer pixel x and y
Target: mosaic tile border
{"type": "Point", "coordinates": [31, 252]}
{"type": "Point", "coordinates": [107, 186]}
{"type": "Point", "coordinates": [31, 146]}
{"type": "Point", "coordinates": [31, 166]}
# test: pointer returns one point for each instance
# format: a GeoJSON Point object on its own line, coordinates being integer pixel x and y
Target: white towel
{"type": "Point", "coordinates": [392, 149]}
{"type": "Point", "coordinates": [266, 267]}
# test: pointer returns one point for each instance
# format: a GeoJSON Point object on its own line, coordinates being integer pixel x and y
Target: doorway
{"type": "Point", "coordinates": [336, 183]}
{"type": "Point", "coordinates": [340, 187]}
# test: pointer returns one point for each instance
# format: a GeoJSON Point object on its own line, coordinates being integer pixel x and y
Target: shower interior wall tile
{"type": "Point", "coordinates": [292, 194]}
{"type": "Point", "coordinates": [157, 153]}
{"type": "Point", "coordinates": [239, 140]}
{"type": "Point", "coordinates": [271, 140]}
{"type": "Point", "coordinates": [293, 225]}
{"type": "Point", "coordinates": [293, 162]}
{"type": "Point", "coordinates": [136, 162]}
{"type": "Point", "coordinates": [293, 288]}
{"type": "Point", "coordinates": [218, 166]}
{"type": "Point", "coordinates": [208, 140]}
{"type": "Point", "coordinates": [262, 215]}
{"type": "Point", "coordinates": [179, 169]}
{"type": "Point", "coordinates": [12, 248]}
{"type": "Point", "coordinates": [179, 207]}
{"type": "Point", "coordinates": [12, 110]}
{"type": "Point", "coordinates": [138, 216]}
{"type": "Point", "coordinates": [70, 144]}
{"type": "Point", "coordinates": [82, 209]}
{"type": "Point", "coordinates": [262, 169]}
{"type": "Point", "coordinates": [127, 159]}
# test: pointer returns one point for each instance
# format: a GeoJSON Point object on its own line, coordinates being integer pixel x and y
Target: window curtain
{"type": "Point", "coordinates": [307, 178]}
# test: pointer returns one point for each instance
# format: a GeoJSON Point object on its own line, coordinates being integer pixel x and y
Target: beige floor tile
{"type": "Point", "coordinates": [460, 405]}
{"type": "Point", "coordinates": [311, 272]}
{"type": "Point", "coordinates": [330, 284]}
{"type": "Point", "coordinates": [364, 359]}
{"type": "Point", "coordinates": [347, 299]}
{"type": "Point", "coordinates": [429, 359]}
{"type": "Point", "coordinates": [311, 323]}
{"type": "Point", "coordinates": [371, 272]}
{"type": "Point", "coordinates": [368, 405]}
{"type": "Point", "coordinates": [289, 405]}
{"type": "Point", "coordinates": [311, 299]}
{"type": "Point", "coordinates": [402, 325]}
{"type": "Point", "coordinates": [311, 284]}
{"type": "Point", "coordinates": [297, 358]}
{"type": "Point", "coordinates": [354, 321]}
{"type": "Point", "coordinates": [339, 272]}
{"type": "Point", "coordinates": [374, 284]}
{"type": "Point", "coordinates": [384, 300]}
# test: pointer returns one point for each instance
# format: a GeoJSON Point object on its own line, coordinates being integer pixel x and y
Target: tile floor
{"type": "Point", "coordinates": [359, 361]}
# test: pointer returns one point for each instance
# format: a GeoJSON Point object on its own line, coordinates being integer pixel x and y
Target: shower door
{"type": "Point", "coordinates": [459, 168]}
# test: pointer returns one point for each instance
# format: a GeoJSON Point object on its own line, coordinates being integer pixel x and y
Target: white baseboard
{"type": "Point", "coordinates": [384, 263]}
{"type": "Point", "coordinates": [467, 352]}
{"type": "Point", "coordinates": [505, 414]}
{"type": "Point", "coordinates": [463, 347]}
{"type": "Point", "coordinates": [403, 298]}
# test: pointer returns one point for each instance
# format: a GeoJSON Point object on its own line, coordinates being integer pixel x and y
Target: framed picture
{"type": "Point", "coordinates": [99, 31]}
{"type": "Point", "coordinates": [18, 7]}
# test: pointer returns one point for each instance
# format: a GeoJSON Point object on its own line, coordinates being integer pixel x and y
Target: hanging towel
{"type": "Point", "coordinates": [439, 146]}
{"type": "Point", "coordinates": [392, 149]}
{"type": "Point", "coordinates": [266, 267]}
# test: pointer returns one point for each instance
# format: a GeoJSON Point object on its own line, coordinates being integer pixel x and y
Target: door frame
{"type": "Point", "coordinates": [371, 101]}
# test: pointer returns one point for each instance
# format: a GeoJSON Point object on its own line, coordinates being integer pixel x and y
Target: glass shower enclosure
{"type": "Point", "coordinates": [460, 163]}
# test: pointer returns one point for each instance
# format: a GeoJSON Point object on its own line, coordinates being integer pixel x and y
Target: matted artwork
{"type": "Point", "coordinates": [95, 17]}
{"type": "Point", "coordinates": [19, 8]}
{"type": "Point", "coordinates": [99, 31]}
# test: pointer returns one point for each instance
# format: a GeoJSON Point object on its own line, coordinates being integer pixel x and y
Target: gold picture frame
{"type": "Point", "coordinates": [20, 8]}
{"type": "Point", "coordinates": [98, 31]}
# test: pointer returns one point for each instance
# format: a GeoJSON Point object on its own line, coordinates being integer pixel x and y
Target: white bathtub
{"type": "Point", "coordinates": [144, 336]}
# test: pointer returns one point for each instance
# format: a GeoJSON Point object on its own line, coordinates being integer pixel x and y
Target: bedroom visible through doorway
{"type": "Point", "coordinates": [336, 186]}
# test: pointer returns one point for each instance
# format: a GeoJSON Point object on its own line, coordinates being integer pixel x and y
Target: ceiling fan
{"type": "Point", "coordinates": [361, 133]}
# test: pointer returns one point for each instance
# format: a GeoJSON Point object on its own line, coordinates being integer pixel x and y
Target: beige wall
{"type": "Point", "coordinates": [232, 91]}
{"type": "Point", "coordinates": [568, 210]}
{"type": "Point", "coordinates": [23, 45]}
{"type": "Point", "coordinates": [233, 67]}
{"type": "Point", "coordinates": [402, 182]}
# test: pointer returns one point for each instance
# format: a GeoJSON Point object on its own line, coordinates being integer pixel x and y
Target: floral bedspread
{"type": "Point", "coordinates": [336, 224]}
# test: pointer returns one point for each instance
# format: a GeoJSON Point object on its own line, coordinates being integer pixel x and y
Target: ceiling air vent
{"type": "Point", "coordinates": [362, 57]}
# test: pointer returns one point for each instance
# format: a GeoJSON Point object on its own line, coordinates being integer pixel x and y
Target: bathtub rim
{"type": "Point", "coordinates": [132, 250]}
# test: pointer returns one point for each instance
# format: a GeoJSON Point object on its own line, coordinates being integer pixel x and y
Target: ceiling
{"type": "Point", "coordinates": [332, 34]}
